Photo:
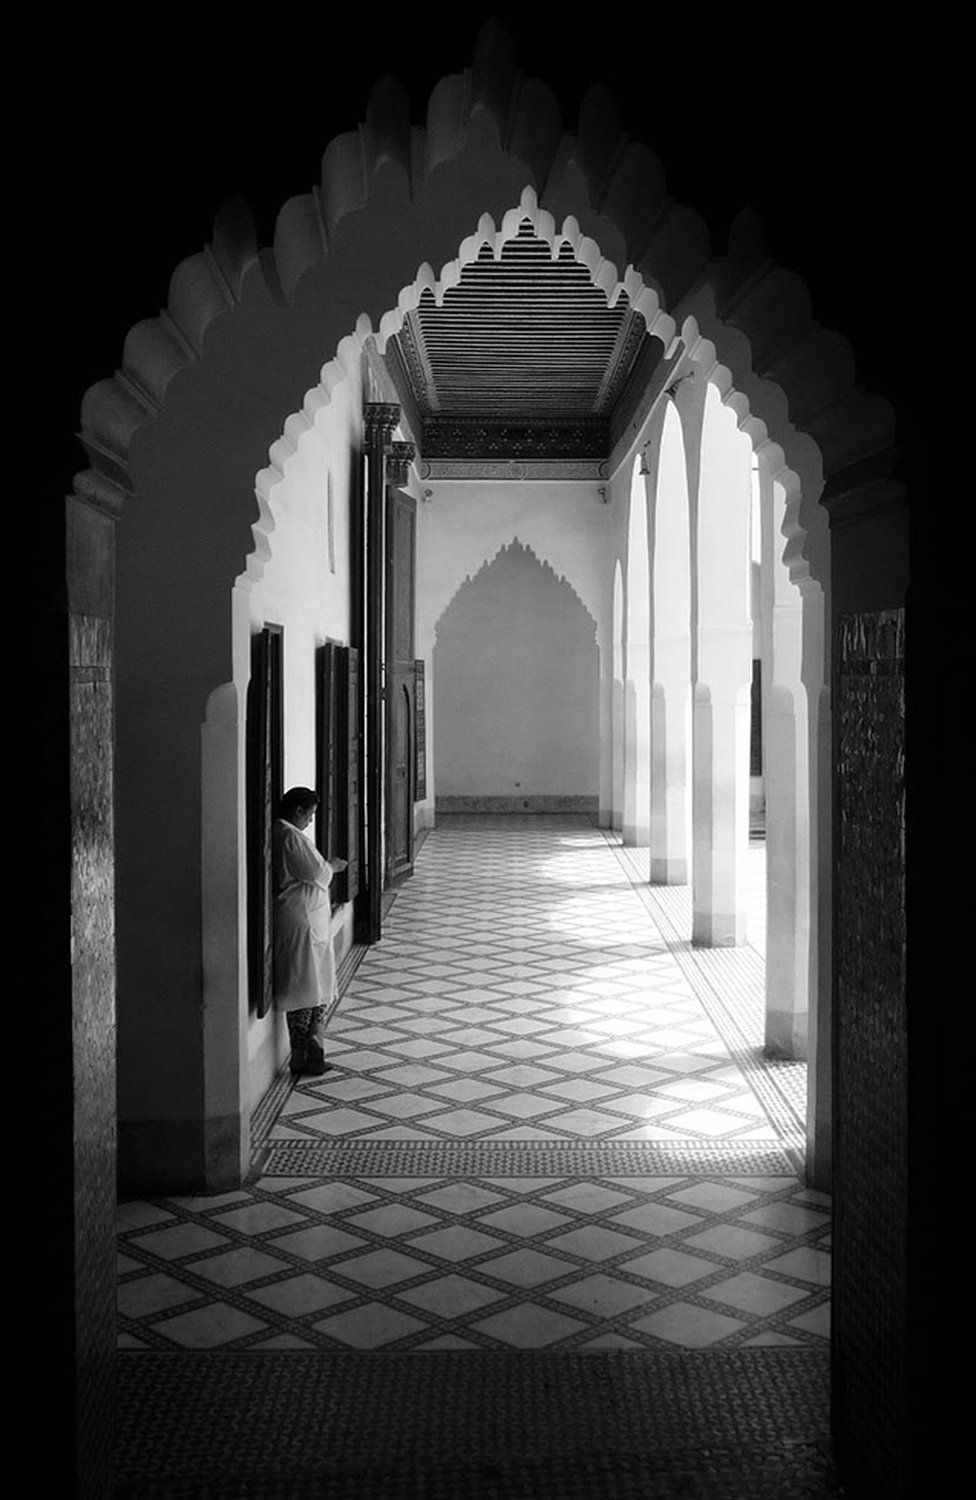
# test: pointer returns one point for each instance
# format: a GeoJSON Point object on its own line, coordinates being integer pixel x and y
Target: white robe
{"type": "Point", "coordinates": [304, 967]}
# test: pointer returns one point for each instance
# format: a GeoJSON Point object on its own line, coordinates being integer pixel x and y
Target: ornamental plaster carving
{"type": "Point", "coordinates": [516, 469]}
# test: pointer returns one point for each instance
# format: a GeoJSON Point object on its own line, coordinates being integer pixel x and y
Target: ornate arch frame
{"type": "Point", "coordinates": [792, 382]}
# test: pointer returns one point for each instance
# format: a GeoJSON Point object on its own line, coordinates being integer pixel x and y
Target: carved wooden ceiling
{"type": "Point", "coordinates": [523, 359]}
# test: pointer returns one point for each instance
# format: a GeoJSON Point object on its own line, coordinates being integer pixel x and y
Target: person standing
{"type": "Point", "coordinates": [304, 960]}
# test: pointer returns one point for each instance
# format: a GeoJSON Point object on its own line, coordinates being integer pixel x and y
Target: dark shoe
{"type": "Point", "coordinates": [297, 1063]}
{"type": "Point", "coordinates": [315, 1062]}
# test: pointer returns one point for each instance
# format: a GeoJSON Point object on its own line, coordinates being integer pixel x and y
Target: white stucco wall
{"type": "Point", "coordinates": [303, 586]}
{"type": "Point", "coordinates": [462, 526]}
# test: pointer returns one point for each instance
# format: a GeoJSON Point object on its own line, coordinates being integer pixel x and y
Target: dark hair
{"type": "Point", "coordinates": [295, 798]}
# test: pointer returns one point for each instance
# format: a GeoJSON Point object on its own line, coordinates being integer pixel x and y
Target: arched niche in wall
{"type": "Point", "coordinates": [516, 691]}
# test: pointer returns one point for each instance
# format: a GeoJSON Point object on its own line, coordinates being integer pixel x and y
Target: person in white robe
{"type": "Point", "coordinates": [304, 959]}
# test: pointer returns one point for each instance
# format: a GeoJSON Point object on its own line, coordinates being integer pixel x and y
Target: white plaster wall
{"type": "Point", "coordinates": [295, 587]}
{"type": "Point", "coordinates": [464, 524]}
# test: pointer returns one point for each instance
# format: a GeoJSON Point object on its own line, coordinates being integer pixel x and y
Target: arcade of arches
{"type": "Point", "coordinates": [545, 532]}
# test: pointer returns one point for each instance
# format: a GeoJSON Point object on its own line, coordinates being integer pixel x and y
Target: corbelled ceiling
{"type": "Point", "coordinates": [523, 358]}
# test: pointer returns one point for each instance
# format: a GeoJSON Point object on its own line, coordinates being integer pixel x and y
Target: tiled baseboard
{"type": "Point", "coordinates": [517, 804]}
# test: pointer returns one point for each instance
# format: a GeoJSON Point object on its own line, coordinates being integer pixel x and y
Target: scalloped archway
{"type": "Point", "coordinates": [205, 387]}
{"type": "Point", "coordinates": [236, 338]}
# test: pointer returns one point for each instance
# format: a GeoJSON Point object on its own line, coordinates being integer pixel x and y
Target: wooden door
{"type": "Point", "coordinates": [400, 694]}
{"type": "Point", "coordinates": [338, 733]}
{"type": "Point", "coordinates": [265, 761]}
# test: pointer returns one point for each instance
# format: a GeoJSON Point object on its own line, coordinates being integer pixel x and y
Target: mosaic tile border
{"type": "Point", "coordinates": [465, 1158]}
{"type": "Point", "coordinates": [729, 1425]}
{"type": "Point", "coordinates": [267, 1112]}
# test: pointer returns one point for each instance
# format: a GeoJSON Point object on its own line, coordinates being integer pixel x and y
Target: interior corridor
{"type": "Point", "coordinates": [547, 1126]}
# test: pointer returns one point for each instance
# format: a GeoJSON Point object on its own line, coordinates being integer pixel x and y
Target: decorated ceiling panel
{"type": "Point", "coordinates": [523, 359]}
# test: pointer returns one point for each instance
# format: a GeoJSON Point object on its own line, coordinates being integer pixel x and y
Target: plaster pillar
{"type": "Point", "coordinates": [721, 705]}
{"type": "Point", "coordinates": [637, 719]}
{"type": "Point", "coordinates": [617, 730]}
{"type": "Point", "coordinates": [671, 720]}
{"type": "Point", "coordinates": [637, 692]}
{"type": "Point", "coordinates": [605, 648]}
{"type": "Point", "coordinates": [720, 761]}
{"type": "Point", "coordinates": [786, 772]}
{"type": "Point", "coordinates": [223, 885]}
{"type": "Point", "coordinates": [425, 817]}
{"type": "Point", "coordinates": [670, 728]}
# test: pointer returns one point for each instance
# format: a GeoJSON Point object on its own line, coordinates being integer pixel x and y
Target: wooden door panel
{"type": "Point", "coordinates": [401, 741]}
{"type": "Point", "coordinates": [265, 761]}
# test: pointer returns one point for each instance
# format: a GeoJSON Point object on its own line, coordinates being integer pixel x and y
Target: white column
{"type": "Point", "coordinates": [721, 706]}
{"type": "Point", "coordinates": [605, 816]}
{"type": "Point", "coordinates": [229, 1090]}
{"type": "Point", "coordinates": [670, 831]}
{"type": "Point", "coordinates": [786, 772]}
{"type": "Point", "coordinates": [617, 728]}
{"type": "Point", "coordinates": [424, 816]}
{"type": "Point", "coordinates": [637, 691]}
{"type": "Point", "coordinates": [720, 735]}
{"type": "Point", "coordinates": [637, 713]}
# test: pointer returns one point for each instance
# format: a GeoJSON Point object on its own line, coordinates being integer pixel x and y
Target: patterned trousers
{"type": "Point", "coordinates": [303, 1025]}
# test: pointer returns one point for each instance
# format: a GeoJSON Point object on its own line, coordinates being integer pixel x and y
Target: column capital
{"type": "Point", "coordinates": [379, 419]}
{"type": "Point", "coordinates": [398, 459]}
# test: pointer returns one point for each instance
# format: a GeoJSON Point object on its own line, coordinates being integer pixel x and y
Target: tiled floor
{"type": "Point", "coordinates": [548, 1125]}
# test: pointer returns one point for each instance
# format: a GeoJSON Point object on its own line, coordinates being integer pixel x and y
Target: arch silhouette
{"type": "Point", "coordinates": [514, 545]}
{"type": "Point", "coordinates": [795, 382]}
{"type": "Point", "coordinates": [516, 688]}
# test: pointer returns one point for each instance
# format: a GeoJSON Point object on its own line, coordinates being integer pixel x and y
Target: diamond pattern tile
{"type": "Point", "coordinates": [529, 1326]}
{"type": "Point", "coordinates": [540, 1129]}
{"type": "Point", "coordinates": [209, 1327]}
{"type": "Point", "coordinates": [759, 1294]}
{"type": "Point", "coordinates": [370, 1327]}
{"type": "Point", "coordinates": [451, 1296]}
{"type": "Point", "coordinates": [153, 1294]}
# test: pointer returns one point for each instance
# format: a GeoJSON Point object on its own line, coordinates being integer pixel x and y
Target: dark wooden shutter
{"type": "Point", "coordinates": [325, 692]}
{"type": "Point", "coordinates": [420, 719]}
{"type": "Point", "coordinates": [265, 759]}
{"type": "Point", "coordinates": [337, 821]}
{"type": "Point", "coordinates": [352, 762]}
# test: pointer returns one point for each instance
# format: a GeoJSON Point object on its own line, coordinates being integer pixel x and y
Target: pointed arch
{"type": "Point", "coordinates": [252, 344]}
{"type": "Point", "coordinates": [492, 138]}
{"type": "Point", "coordinates": [516, 691]}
